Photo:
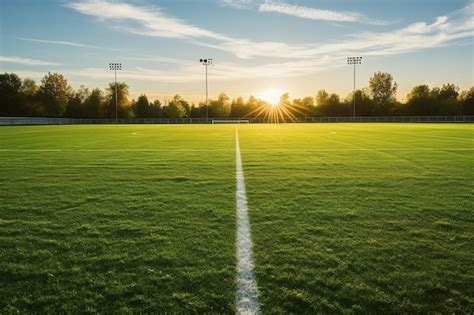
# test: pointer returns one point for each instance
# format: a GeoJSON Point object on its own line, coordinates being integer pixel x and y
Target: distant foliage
{"type": "Point", "coordinates": [55, 93]}
{"type": "Point", "coordinates": [384, 92]}
{"type": "Point", "coordinates": [10, 95]}
{"type": "Point", "coordinates": [54, 97]}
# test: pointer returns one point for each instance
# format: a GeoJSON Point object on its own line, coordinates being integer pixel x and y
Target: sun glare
{"type": "Point", "coordinates": [271, 96]}
{"type": "Point", "coordinates": [271, 109]}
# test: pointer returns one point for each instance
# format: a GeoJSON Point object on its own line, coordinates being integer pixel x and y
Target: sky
{"type": "Point", "coordinates": [259, 47]}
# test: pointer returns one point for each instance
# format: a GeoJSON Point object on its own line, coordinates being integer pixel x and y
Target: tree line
{"type": "Point", "coordinates": [54, 97]}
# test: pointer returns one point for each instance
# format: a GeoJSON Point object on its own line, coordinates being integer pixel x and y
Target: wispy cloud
{"type": "Point", "coordinates": [302, 11]}
{"type": "Point", "coordinates": [152, 21]}
{"type": "Point", "coordinates": [310, 13]}
{"type": "Point", "coordinates": [237, 4]}
{"type": "Point", "coordinates": [58, 42]}
{"type": "Point", "coordinates": [26, 61]}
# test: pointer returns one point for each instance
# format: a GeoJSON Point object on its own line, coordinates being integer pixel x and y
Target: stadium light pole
{"type": "Point", "coordinates": [206, 62]}
{"type": "Point", "coordinates": [354, 61]}
{"type": "Point", "coordinates": [115, 66]}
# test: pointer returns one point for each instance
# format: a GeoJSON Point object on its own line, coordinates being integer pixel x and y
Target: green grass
{"type": "Point", "coordinates": [345, 218]}
{"type": "Point", "coordinates": [357, 218]}
{"type": "Point", "coordinates": [117, 221]}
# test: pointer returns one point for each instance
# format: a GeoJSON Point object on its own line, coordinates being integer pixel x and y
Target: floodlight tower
{"type": "Point", "coordinates": [354, 61]}
{"type": "Point", "coordinates": [115, 66]}
{"type": "Point", "coordinates": [206, 62]}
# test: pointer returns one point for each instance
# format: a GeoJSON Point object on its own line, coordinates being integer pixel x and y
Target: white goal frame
{"type": "Point", "coordinates": [231, 121]}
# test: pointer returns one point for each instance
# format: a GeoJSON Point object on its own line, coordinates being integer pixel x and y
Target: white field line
{"type": "Point", "coordinates": [247, 295]}
{"type": "Point", "coordinates": [248, 150]}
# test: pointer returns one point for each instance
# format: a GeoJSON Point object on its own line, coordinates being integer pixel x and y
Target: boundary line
{"type": "Point", "coordinates": [247, 293]}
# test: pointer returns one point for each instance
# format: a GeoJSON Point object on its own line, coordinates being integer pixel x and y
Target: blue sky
{"type": "Point", "coordinates": [293, 46]}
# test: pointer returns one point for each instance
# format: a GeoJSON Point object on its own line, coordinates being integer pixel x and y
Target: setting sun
{"type": "Point", "coordinates": [272, 96]}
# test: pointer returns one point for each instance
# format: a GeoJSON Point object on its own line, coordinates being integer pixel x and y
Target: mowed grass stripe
{"type": "Point", "coordinates": [357, 231]}
{"type": "Point", "coordinates": [118, 232]}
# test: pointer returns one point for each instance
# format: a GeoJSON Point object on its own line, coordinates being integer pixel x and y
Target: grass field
{"type": "Point", "coordinates": [345, 218]}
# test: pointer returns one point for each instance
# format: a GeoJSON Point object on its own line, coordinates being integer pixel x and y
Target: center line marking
{"type": "Point", "coordinates": [247, 293]}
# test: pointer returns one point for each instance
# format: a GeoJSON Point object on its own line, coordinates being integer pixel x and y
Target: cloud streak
{"type": "Point", "coordinates": [57, 42]}
{"type": "Point", "coordinates": [151, 21]}
{"type": "Point", "coordinates": [304, 12]}
{"type": "Point", "coordinates": [26, 61]}
{"type": "Point", "coordinates": [309, 13]}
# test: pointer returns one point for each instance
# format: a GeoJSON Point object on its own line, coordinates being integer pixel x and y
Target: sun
{"type": "Point", "coordinates": [271, 96]}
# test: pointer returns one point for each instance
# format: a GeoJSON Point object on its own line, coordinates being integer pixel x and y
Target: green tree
{"type": "Point", "coordinates": [237, 108]}
{"type": "Point", "coordinates": [330, 105]}
{"type": "Point", "coordinates": [94, 103]}
{"type": "Point", "coordinates": [123, 102]}
{"type": "Point", "coordinates": [175, 108]}
{"type": "Point", "coordinates": [195, 112]}
{"type": "Point", "coordinates": [142, 107]}
{"type": "Point", "coordinates": [364, 106]}
{"type": "Point", "coordinates": [420, 101]}
{"type": "Point", "coordinates": [448, 103]}
{"type": "Point", "coordinates": [76, 104]}
{"type": "Point", "coordinates": [334, 99]}
{"type": "Point", "coordinates": [322, 97]}
{"type": "Point", "coordinates": [10, 100]}
{"type": "Point", "coordinates": [467, 100]}
{"type": "Point", "coordinates": [448, 91]}
{"type": "Point", "coordinates": [31, 101]}
{"type": "Point", "coordinates": [155, 109]}
{"type": "Point", "coordinates": [54, 93]}
{"type": "Point", "coordinates": [384, 91]}
{"type": "Point", "coordinates": [221, 107]}
{"type": "Point", "coordinates": [303, 107]}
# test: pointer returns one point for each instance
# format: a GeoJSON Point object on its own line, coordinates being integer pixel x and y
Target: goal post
{"type": "Point", "coordinates": [230, 121]}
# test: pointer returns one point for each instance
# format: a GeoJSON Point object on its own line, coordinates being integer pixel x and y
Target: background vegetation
{"type": "Point", "coordinates": [54, 97]}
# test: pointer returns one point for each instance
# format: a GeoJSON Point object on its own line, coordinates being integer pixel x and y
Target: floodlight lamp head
{"type": "Point", "coordinates": [115, 66]}
{"type": "Point", "coordinates": [354, 60]}
{"type": "Point", "coordinates": [206, 62]}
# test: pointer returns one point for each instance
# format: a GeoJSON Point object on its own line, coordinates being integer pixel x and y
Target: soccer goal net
{"type": "Point", "coordinates": [230, 121]}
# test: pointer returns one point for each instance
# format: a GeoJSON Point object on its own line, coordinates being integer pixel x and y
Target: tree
{"type": "Point", "coordinates": [195, 112]}
{"type": "Point", "coordinates": [330, 105]}
{"type": "Point", "coordinates": [123, 102]}
{"type": "Point", "coordinates": [384, 91]}
{"type": "Point", "coordinates": [420, 100]}
{"type": "Point", "coordinates": [142, 107]}
{"type": "Point", "coordinates": [30, 98]}
{"type": "Point", "coordinates": [221, 107]}
{"type": "Point", "coordinates": [448, 103]}
{"type": "Point", "coordinates": [237, 108]}
{"type": "Point", "coordinates": [10, 101]}
{"type": "Point", "coordinates": [54, 93]}
{"type": "Point", "coordinates": [364, 106]}
{"type": "Point", "coordinates": [155, 109]}
{"type": "Point", "coordinates": [467, 100]}
{"type": "Point", "coordinates": [303, 107]}
{"type": "Point", "coordinates": [321, 97]}
{"type": "Point", "coordinates": [93, 104]}
{"type": "Point", "coordinates": [175, 108]}
{"type": "Point", "coordinates": [76, 104]}
{"type": "Point", "coordinates": [334, 99]}
{"type": "Point", "coordinates": [448, 91]}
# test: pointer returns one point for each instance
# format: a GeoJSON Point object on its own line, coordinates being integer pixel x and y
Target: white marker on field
{"type": "Point", "coordinates": [247, 295]}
